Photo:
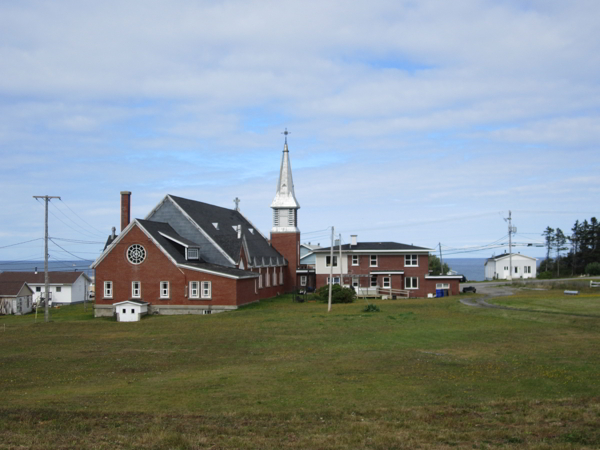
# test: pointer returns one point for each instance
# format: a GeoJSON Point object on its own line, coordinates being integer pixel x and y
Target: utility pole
{"type": "Point", "coordinates": [341, 264]}
{"type": "Point", "coordinates": [441, 260]}
{"type": "Point", "coordinates": [511, 230]}
{"type": "Point", "coordinates": [330, 269]}
{"type": "Point", "coordinates": [46, 278]}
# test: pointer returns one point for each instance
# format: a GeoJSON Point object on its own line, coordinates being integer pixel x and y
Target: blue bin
{"type": "Point", "coordinates": [439, 292]}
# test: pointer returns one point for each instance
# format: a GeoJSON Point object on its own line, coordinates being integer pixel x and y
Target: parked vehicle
{"type": "Point", "coordinates": [469, 289]}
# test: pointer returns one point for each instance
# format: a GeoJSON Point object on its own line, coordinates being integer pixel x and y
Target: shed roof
{"type": "Point", "coordinates": [39, 277]}
{"type": "Point", "coordinates": [10, 288]}
{"type": "Point", "coordinates": [375, 247]}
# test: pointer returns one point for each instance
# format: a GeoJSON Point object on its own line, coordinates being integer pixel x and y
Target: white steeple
{"type": "Point", "coordinates": [284, 204]}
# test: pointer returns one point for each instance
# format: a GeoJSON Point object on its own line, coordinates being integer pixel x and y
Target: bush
{"type": "Point", "coordinates": [371, 308]}
{"type": "Point", "coordinates": [544, 275]}
{"type": "Point", "coordinates": [339, 294]}
{"type": "Point", "coordinates": [593, 269]}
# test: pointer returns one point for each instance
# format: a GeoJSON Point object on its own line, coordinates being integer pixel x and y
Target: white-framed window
{"type": "Point", "coordinates": [39, 289]}
{"type": "Point", "coordinates": [136, 254]}
{"type": "Point", "coordinates": [164, 289]}
{"type": "Point", "coordinates": [192, 253]}
{"type": "Point", "coordinates": [386, 282]}
{"type": "Point", "coordinates": [136, 289]}
{"type": "Point", "coordinates": [206, 289]}
{"type": "Point", "coordinates": [374, 281]}
{"type": "Point", "coordinates": [373, 261]}
{"type": "Point", "coordinates": [260, 278]}
{"type": "Point", "coordinates": [274, 276]}
{"type": "Point", "coordinates": [281, 276]}
{"type": "Point", "coordinates": [58, 289]}
{"type": "Point", "coordinates": [442, 286]}
{"type": "Point", "coordinates": [108, 289]}
{"type": "Point", "coordinates": [355, 260]}
{"type": "Point", "coordinates": [336, 280]}
{"type": "Point", "coordinates": [411, 283]}
{"type": "Point", "coordinates": [411, 260]}
{"type": "Point", "coordinates": [505, 267]}
{"type": "Point", "coordinates": [267, 279]}
{"type": "Point", "coordinates": [516, 269]}
{"type": "Point", "coordinates": [527, 269]}
{"type": "Point", "coordinates": [303, 280]}
{"type": "Point", "coordinates": [328, 261]}
{"type": "Point", "coordinates": [194, 289]}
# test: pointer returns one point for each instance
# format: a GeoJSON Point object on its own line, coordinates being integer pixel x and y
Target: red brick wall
{"type": "Point", "coordinates": [156, 268]}
{"type": "Point", "coordinates": [386, 262]}
{"type": "Point", "coordinates": [288, 244]}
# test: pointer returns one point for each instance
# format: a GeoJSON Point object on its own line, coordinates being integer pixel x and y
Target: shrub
{"type": "Point", "coordinates": [371, 308]}
{"type": "Point", "coordinates": [339, 294]}
{"type": "Point", "coordinates": [544, 275]}
{"type": "Point", "coordinates": [593, 268]}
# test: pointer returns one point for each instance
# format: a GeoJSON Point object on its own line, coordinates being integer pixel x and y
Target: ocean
{"type": "Point", "coordinates": [53, 266]}
{"type": "Point", "coordinates": [472, 268]}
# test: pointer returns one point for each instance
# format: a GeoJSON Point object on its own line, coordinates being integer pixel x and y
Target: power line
{"type": "Point", "coordinates": [24, 242]}
{"type": "Point", "coordinates": [78, 257]}
{"type": "Point", "coordinates": [83, 220]}
{"type": "Point", "coordinates": [66, 224]}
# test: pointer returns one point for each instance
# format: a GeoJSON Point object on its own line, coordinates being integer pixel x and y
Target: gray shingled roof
{"type": "Point", "coordinates": [375, 246]}
{"type": "Point", "coordinates": [205, 215]}
{"type": "Point", "coordinates": [177, 252]}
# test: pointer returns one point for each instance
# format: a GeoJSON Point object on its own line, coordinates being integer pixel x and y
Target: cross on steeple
{"type": "Point", "coordinates": [237, 203]}
{"type": "Point", "coordinates": [286, 132]}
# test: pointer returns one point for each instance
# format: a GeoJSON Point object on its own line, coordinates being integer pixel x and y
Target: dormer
{"type": "Point", "coordinates": [192, 253]}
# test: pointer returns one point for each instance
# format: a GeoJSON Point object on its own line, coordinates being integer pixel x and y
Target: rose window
{"type": "Point", "coordinates": [136, 254]}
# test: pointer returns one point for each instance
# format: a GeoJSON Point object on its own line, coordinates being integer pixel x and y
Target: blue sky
{"type": "Point", "coordinates": [416, 122]}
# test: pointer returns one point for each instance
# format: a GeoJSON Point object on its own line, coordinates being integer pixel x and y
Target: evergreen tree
{"type": "Point", "coordinates": [559, 244]}
{"type": "Point", "coordinates": [549, 237]}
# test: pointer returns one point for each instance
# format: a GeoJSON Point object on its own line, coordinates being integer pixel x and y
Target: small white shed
{"type": "Point", "coordinates": [498, 267]}
{"type": "Point", "coordinates": [131, 310]}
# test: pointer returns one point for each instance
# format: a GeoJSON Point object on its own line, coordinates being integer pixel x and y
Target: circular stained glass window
{"type": "Point", "coordinates": [136, 254]}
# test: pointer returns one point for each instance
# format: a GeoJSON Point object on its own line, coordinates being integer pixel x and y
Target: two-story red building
{"type": "Point", "coordinates": [382, 269]}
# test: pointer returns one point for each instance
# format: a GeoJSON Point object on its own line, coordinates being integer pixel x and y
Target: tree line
{"type": "Point", "coordinates": [576, 254]}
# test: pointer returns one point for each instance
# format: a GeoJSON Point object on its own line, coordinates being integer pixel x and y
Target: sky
{"type": "Point", "coordinates": [420, 122]}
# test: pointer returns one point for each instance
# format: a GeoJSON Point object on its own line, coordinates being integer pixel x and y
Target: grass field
{"type": "Point", "coordinates": [425, 373]}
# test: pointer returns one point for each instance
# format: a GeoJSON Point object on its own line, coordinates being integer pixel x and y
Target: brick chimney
{"type": "Point", "coordinates": [125, 209]}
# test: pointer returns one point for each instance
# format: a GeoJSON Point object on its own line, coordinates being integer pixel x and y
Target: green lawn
{"type": "Point", "coordinates": [425, 373]}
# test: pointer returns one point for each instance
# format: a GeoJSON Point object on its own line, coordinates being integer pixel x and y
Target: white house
{"type": "Point", "coordinates": [15, 297]}
{"type": "Point", "coordinates": [498, 267]}
{"type": "Point", "coordinates": [65, 288]}
{"type": "Point", "coordinates": [130, 310]}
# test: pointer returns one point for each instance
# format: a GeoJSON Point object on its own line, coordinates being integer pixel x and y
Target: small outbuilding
{"type": "Point", "coordinates": [131, 310]}
{"type": "Point", "coordinates": [499, 267]}
{"type": "Point", "coordinates": [15, 298]}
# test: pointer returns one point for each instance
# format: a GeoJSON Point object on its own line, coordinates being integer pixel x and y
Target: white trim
{"type": "Point", "coordinates": [371, 261]}
{"type": "Point", "coordinates": [357, 260]}
{"type": "Point", "coordinates": [498, 258]}
{"type": "Point", "coordinates": [386, 272]}
{"type": "Point", "coordinates": [202, 289]}
{"type": "Point", "coordinates": [375, 251]}
{"type": "Point", "coordinates": [193, 222]}
{"type": "Point", "coordinates": [112, 286]}
{"type": "Point", "coordinates": [168, 290]}
{"type": "Point", "coordinates": [108, 249]}
{"type": "Point", "coordinates": [441, 277]}
{"type": "Point", "coordinates": [172, 239]}
{"type": "Point", "coordinates": [197, 295]}
{"type": "Point", "coordinates": [197, 269]}
{"type": "Point", "coordinates": [139, 289]}
{"type": "Point", "coordinates": [411, 288]}
{"type": "Point", "coordinates": [411, 260]}
{"type": "Point", "coordinates": [250, 222]}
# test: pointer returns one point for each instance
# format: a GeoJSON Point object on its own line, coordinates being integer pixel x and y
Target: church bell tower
{"type": "Point", "coordinates": [285, 235]}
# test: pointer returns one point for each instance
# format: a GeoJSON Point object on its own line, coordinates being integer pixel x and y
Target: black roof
{"type": "Point", "coordinates": [225, 236]}
{"type": "Point", "coordinates": [375, 246]}
{"type": "Point", "coordinates": [177, 252]}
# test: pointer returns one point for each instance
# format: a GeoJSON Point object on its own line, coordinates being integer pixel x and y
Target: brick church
{"type": "Point", "coordinates": [190, 257]}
